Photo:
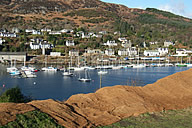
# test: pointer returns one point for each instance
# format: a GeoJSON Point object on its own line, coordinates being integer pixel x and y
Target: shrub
{"type": "Point", "coordinates": [14, 95]}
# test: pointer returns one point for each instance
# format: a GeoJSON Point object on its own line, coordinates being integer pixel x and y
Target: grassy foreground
{"type": "Point", "coordinates": [168, 119]}
{"type": "Point", "coordinates": [33, 119]}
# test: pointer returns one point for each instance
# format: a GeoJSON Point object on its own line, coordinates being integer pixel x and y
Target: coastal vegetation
{"type": "Point", "coordinates": [13, 95]}
{"type": "Point", "coordinates": [33, 119]}
{"type": "Point", "coordinates": [165, 119]}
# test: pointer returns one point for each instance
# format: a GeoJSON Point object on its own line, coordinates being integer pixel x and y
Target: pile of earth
{"type": "Point", "coordinates": [110, 104]}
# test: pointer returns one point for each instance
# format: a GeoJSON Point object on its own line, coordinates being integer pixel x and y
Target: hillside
{"type": "Point", "coordinates": [137, 24]}
{"type": "Point", "coordinates": [110, 104]}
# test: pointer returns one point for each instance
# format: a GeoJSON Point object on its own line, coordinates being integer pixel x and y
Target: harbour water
{"type": "Point", "coordinates": [53, 85]}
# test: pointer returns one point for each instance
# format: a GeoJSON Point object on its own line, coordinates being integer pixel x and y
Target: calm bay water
{"type": "Point", "coordinates": [55, 86]}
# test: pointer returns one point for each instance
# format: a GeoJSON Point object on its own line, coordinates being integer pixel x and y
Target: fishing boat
{"type": "Point", "coordinates": [86, 78]}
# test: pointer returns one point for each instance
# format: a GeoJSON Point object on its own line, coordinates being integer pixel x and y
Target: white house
{"type": "Point", "coordinates": [151, 53]}
{"type": "Point", "coordinates": [36, 32]}
{"type": "Point", "coordinates": [132, 51]}
{"type": "Point", "coordinates": [163, 51]}
{"type": "Point", "coordinates": [180, 51]}
{"type": "Point", "coordinates": [7, 34]}
{"type": "Point", "coordinates": [40, 44]}
{"type": "Point", "coordinates": [45, 30]}
{"type": "Point", "coordinates": [123, 52]}
{"type": "Point", "coordinates": [73, 53]}
{"type": "Point", "coordinates": [110, 52]}
{"type": "Point", "coordinates": [110, 43]}
{"type": "Point", "coordinates": [55, 33]}
{"type": "Point", "coordinates": [168, 43]}
{"type": "Point", "coordinates": [70, 43]}
{"type": "Point", "coordinates": [29, 30]}
{"type": "Point", "coordinates": [66, 31]}
{"type": "Point", "coordinates": [85, 36]}
{"type": "Point", "coordinates": [55, 53]}
{"type": "Point", "coordinates": [1, 41]}
{"type": "Point", "coordinates": [93, 51]}
{"type": "Point", "coordinates": [153, 43]}
{"type": "Point", "coordinates": [103, 32]}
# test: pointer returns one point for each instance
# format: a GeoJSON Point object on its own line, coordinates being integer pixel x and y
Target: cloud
{"type": "Point", "coordinates": [176, 7]}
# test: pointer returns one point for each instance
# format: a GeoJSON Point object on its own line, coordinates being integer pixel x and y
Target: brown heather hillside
{"type": "Point", "coordinates": [111, 104]}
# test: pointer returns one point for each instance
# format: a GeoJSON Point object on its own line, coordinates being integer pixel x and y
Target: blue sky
{"type": "Point", "coordinates": [180, 7]}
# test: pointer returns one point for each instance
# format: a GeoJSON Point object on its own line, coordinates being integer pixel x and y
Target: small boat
{"type": "Point", "coordinates": [139, 66]}
{"type": "Point", "coordinates": [14, 72]}
{"type": "Point", "coordinates": [67, 73]}
{"type": "Point", "coordinates": [86, 78]}
{"type": "Point", "coordinates": [28, 74]}
{"type": "Point", "coordinates": [52, 69]}
{"type": "Point", "coordinates": [102, 72]}
{"type": "Point", "coordinates": [181, 65]}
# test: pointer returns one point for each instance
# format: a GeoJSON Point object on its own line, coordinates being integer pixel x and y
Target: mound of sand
{"type": "Point", "coordinates": [111, 104]}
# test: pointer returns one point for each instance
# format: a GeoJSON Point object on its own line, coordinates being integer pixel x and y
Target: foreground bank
{"type": "Point", "coordinates": [111, 104]}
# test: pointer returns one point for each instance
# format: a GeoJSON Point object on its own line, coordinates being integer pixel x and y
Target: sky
{"type": "Point", "coordinates": [179, 7]}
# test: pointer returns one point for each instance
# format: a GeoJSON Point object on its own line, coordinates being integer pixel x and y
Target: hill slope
{"type": "Point", "coordinates": [149, 25]}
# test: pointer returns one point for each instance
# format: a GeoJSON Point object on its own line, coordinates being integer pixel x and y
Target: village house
{"type": "Point", "coordinates": [7, 34]}
{"type": "Point", "coordinates": [55, 53]}
{"type": "Point", "coordinates": [132, 51]}
{"type": "Point", "coordinates": [40, 44]}
{"type": "Point", "coordinates": [70, 43]}
{"type": "Point", "coordinates": [109, 52]}
{"type": "Point", "coordinates": [123, 52]}
{"type": "Point", "coordinates": [73, 53]}
{"type": "Point", "coordinates": [93, 51]}
{"type": "Point", "coordinates": [181, 51]}
{"type": "Point", "coordinates": [163, 51]}
{"type": "Point", "coordinates": [45, 30]}
{"type": "Point", "coordinates": [151, 53]}
{"type": "Point", "coordinates": [15, 30]}
{"type": "Point", "coordinates": [110, 43]}
{"type": "Point", "coordinates": [1, 41]}
{"type": "Point", "coordinates": [55, 33]}
{"type": "Point", "coordinates": [85, 36]}
{"type": "Point", "coordinates": [67, 31]}
{"type": "Point", "coordinates": [168, 43]}
{"type": "Point", "coordinates": [103, 32]}
{"type": "Point", "coordinates": [153, 43]}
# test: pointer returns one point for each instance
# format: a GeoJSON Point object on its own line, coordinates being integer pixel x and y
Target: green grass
{"type": "Point", "coordinates": [168, 119]}
{"type": "Point", "coordinates": [33, 119]}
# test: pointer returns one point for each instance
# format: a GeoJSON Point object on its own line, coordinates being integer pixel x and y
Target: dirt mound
{"type": "Point", "coordinates": [111, 104]}
{"type": "Point", "coordinates": [8, 111]}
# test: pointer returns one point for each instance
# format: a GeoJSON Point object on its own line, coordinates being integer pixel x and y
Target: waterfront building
{"type": "Point", "coordinates": [20, 56]}
{"type": "Point", "coordinates": [151, 53]}
{"type": "Point", "coordinates": [163, 51]}
{"type": "Point", "coordinates": [110, 52]}
{"type": "Point", "coordinates": [73, 53]}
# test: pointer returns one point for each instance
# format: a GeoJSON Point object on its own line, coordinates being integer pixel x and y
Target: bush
{"type": "Point", "coordinates": [14, 95]}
